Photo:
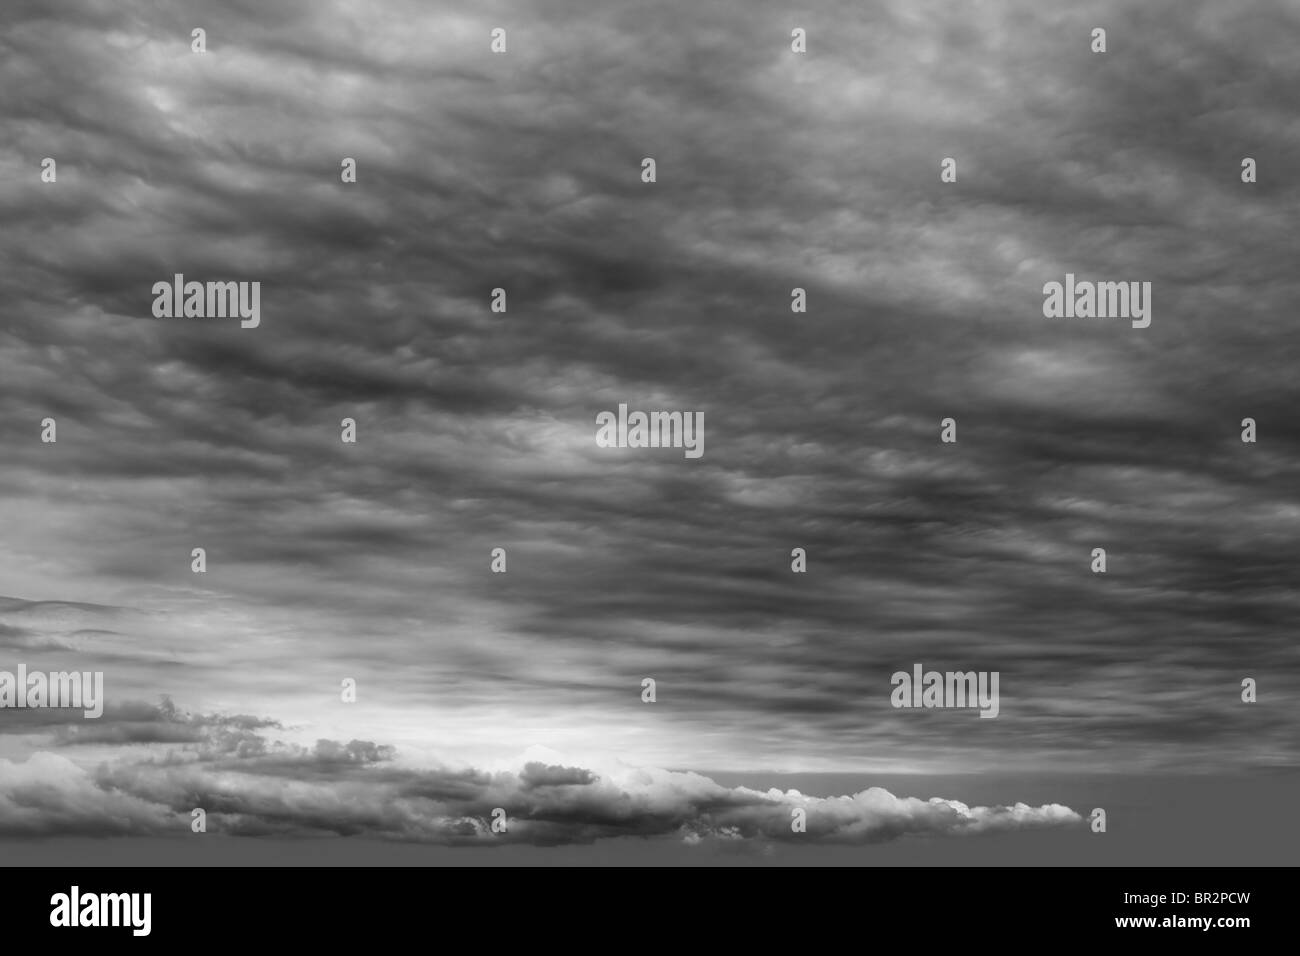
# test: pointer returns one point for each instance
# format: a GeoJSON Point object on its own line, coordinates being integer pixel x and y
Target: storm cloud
{"type": "Point", "coordinates": [476, 430]}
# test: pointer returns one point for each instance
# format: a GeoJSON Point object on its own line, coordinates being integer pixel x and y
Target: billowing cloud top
{"type": "Point", "coordinates": [359, 789]}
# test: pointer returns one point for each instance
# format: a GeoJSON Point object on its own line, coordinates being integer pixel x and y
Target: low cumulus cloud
{"type": "Point", "coordinates": [252, 786]}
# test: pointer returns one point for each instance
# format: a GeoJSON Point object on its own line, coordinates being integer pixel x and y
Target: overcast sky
{"type": "Point", "coordinates": [477, 430]}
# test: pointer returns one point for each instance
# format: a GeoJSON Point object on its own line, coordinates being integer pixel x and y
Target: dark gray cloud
{"type": "Point", "coordinates": [476, 430]}
{"type": "Point", "coordinates": [133, 722]}
{"type": "Point", "coordinates": [538, 774]}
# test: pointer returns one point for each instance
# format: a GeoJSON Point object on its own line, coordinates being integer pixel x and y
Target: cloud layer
{"type": "Point", "coordinates": [249, 786]}
{"type": "Point", "coordinates": [477, 430]}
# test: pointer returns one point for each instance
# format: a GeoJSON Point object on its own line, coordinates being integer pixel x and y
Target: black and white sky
{"type": "Point", "coordinates": [476, 430]}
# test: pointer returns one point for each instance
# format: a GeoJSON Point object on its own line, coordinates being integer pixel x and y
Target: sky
{"type": "Point", "coordinates": [476, 429]}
